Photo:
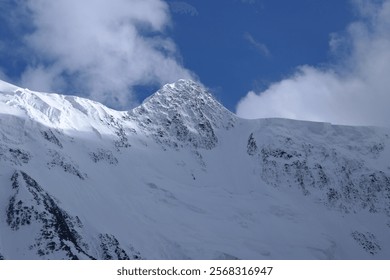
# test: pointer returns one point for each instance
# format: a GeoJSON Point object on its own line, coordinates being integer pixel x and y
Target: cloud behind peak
{"type": "Point", "coordinates": [355, 90]}
{"type": "Point", "coordinates": [102, 49]}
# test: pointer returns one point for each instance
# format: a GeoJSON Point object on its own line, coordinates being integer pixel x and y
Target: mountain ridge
{"type": "Point", "coordinates": [181, 177]}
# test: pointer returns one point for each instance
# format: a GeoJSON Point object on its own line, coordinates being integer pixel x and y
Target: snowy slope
{"type": "Point", "coordinates": [180, 177]}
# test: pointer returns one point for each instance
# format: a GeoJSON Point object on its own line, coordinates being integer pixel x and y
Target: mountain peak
{"type": "Point", "coordinates": [187, 111]}
{"type": "Point", "coordinates": [181, 92]}
{"type": "Point", "coordinates": [184, 97]}
{"type": "Point", "coordinates": [185, 84]}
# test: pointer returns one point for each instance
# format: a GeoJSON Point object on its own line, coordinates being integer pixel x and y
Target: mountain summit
{"type": "Point", "coordinates": [184, 111]}
{"type": "Point", "coordinates": [181, 177]}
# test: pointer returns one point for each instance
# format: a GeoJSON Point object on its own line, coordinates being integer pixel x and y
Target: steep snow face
{"type": "Point", "coordinates": [180, 177]}
{"type": "Point", "coordinates": [345, 167]}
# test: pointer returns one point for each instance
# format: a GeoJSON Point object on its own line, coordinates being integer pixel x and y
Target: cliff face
{"type": "Point", "coordinates": [181, 177]}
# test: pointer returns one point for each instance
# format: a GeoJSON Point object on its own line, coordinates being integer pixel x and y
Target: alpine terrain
{"type": "Point", "coordinates": [181, 177]}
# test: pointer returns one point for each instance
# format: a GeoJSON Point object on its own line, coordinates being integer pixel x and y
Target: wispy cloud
{"type": "Point", "coordinates": [354, 91]}
{"type": "Point", "coordinates": [184, 8]}
{"type": "Point", "coordinates": [97, 47]}
{"type": "Point", "coordinates": [3, 76]}
{"type": "Point", "coordinates": [261, 47]}
{"type": "Point", "coordinates": [248, 1]}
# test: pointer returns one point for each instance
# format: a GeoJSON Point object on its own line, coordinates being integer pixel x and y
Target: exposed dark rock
{"type": "Point", "coordinates": [59, 160]}
{"type": "Point", "coordinates": [51, 137]}
{"type": "Point", "coordinates": [103, 155]}
{"type": "Point", "coordinates": [251, 147]}
{"type": "Point", "coordinates": [367, 241]}
{"type": "Point", "coordinates": [19, 155]}
{"type": "Point", "coordinates": [122, 141]}
{"type": "Point", "coordinates": [345, 182]}
{"type": "Point", "coordinates": [58, 230]}
{"type": "Point", "coordinates": [111, 249]}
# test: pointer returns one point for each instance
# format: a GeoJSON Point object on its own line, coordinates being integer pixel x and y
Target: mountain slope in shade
{"type": "Point", "coordinates": [181, 177]}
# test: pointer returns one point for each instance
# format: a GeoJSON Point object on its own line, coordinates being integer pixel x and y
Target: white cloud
{"type": "Point", "coordinates": [260, 47]}
{"type": "Point", "coordinates": [184, 8]}
{"type": "Point", "coordinates": [100, 48]}
{"type": "Point", "coordinates": [356, 91]}
{"type": "Point", "coordinates": [43, 78]}
{"type": "Point", "coordinates": [3, 76]}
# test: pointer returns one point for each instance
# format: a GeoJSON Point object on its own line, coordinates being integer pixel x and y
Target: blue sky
{"type": "Point", "coordinates": [302, 59]}
{"type": "Point", "coordinates": [245, 45]}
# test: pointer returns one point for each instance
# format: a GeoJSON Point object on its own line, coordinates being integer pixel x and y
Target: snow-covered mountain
{"type": "Point", "coordinates": [181, 177]}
